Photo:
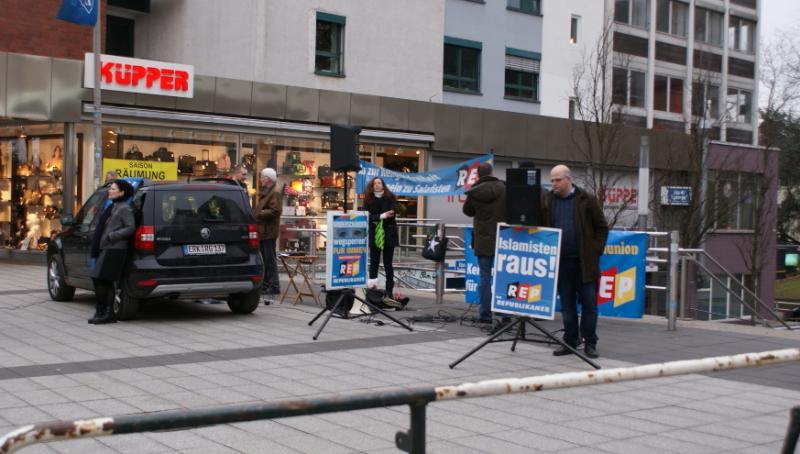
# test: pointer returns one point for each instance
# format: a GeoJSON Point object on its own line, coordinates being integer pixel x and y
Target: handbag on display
{"type": "Point", "coordinates": [325, 175]}
{"type": "Point", "coordinates": [204, 168]}
{"type": "Point", "coordinates": [186, 163]}
{"type": "Point", "coordinates": [249, 161]}
{"type": "Point", "coordinates": [133, 154]}
{"type": "Point", "coordinates": [163, 155]}
{"type": "Point", "coordinates": [309, 167]}
{"type": "Point", "coordinates": [434, 247]}
{"type": "Point", "coordinates": [330, 199]}
{"type": "Point", "coordinates": [290, 164]}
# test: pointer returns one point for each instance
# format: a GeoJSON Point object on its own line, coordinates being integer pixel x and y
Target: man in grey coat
{"type": "Point", "coordinates": [486, 204]}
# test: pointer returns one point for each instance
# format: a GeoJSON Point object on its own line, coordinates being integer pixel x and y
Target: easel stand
{"type": "Point", "coordinates": [350, 293]}
{"type": "Point", "coordinates": [520, 335]}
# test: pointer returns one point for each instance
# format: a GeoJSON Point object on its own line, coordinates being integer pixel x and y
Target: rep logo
{"type": "Point", "coordinates": [524, 292]}
{"type": "Point", "coordinates": [619, 288]}
{"type": "Point", "coordinates": [467, 176]}
{"type": "Point", "coordinates": [349, 268]}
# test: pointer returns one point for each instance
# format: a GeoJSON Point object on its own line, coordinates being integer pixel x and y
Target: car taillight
{"type": "Point", "coordinates": [252, 236]}
{"type": "Point", "coordinates": [145, 238]}
{"type": "Point", "coordinates": [146, 283]}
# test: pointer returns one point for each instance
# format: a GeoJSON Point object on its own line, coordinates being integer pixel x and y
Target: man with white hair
{"type": "Point", "coordinates": [268, 215]}
{"type": "Point", "coordinates": [583, 237]}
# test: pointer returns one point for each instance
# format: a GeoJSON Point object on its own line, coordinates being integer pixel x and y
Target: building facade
{"type": "Point", "coordinates": [46, 137]}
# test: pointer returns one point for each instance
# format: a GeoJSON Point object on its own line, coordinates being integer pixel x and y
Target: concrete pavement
{"type": "Point", "coordinates": [54, 365]}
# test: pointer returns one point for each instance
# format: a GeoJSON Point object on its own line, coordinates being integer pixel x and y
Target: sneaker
{"type": "Point", "coordinates": [562, 351]}
{"type": "Point", "coordinates": [590, 351]}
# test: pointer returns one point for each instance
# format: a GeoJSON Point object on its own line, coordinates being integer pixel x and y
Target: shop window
{"type": "Point", "coordinates": [329, 50]}
{"type": "Point", "coordinates": [526, 6]}
{"type": "Point", "coordinates": [632, 12]}
{"type": "Point", "coordinates": [31, 185]}
{"type": "Point", "coordinates": [120, 36]}
{"type": "Point", "coordinates": [708, 26]}
{"type": "Point", "coordinates": [462, 65]}
{"type": "Point", "coordinates": [717, 300]}
{"type": "Point", "coordinates": [739, 105]}
{"type": "Point", "coordinates": [522, 77]}
{"type": "Point", "coordinates": [672, 17]}
{"type": "Point", "coordinates": [741, 34]}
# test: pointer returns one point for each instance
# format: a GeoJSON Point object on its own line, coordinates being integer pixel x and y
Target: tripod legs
{"type": "Point", "coordinates": [520, 323]}
{"type": "Point", "coordinates": [331, 311]}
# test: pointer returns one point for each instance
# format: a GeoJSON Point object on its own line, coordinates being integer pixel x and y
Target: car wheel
{"type": "Point", "coordinates": [56, 285]}
{"type": "Point", "coordinates": [244, 303]}
{"type": "Point", "coordinates": [126, 307]}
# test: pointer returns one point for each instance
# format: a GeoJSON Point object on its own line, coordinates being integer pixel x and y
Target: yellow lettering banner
{"type": "Point", "coordinates": [152, 170]}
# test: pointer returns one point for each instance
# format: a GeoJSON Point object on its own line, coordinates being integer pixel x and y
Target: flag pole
{"type": "Point", "coordinates": [98, 119]}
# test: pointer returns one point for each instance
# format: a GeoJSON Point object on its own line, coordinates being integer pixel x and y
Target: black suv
{"type": "Point", "coordinates": [195, 239]}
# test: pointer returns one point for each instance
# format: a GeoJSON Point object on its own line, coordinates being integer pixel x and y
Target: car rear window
{"type": "Point", "coordinates": [199, 207]}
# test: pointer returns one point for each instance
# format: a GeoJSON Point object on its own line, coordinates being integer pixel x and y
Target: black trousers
{"type": "Point", "coordinates": [374, 262]}
{"type": "Point", "coordinates": [104, 291]}
{"type": "Point", "coordinates": [271, 283]}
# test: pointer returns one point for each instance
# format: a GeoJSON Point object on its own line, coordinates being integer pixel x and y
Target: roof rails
{"type": "Point", "coordinates": [223, 180]}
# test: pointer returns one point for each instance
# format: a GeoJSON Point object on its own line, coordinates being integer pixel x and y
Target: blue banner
{"type": "Point", "coordinates": [451, 180]}
{"type": "Point", "coordinates": [620, 292]}
{"type": "Point", "coordinates": [472, 275]}
{"type": "Point", "coordinates": [82, 12]}
{"type": "Point", "coordinates": [526, 271]}
{"type": "Point", "coordinates": [347, 248]}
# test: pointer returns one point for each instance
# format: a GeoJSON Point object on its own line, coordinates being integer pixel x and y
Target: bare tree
{"type": "Point", "coordinates": [597, 134]}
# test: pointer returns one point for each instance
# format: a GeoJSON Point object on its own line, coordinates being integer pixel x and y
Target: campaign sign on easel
{"type": "Point", "coordinates": [347, 249]}
{"type": "Point", "coordinates": [526, 271]}
{"type": "Point", "coordinates": [472, 274]}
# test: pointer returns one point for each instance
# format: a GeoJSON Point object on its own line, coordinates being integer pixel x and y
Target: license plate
{"type": "Point", "coordinates": [203, 249]}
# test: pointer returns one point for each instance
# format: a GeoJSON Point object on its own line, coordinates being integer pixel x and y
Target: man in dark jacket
{"type": "Point", "coordinates": [583, 237]}
{"type": "Point", "coordinates": [486, 203]}
{"type": "Point", "coordinates": [268, 215]}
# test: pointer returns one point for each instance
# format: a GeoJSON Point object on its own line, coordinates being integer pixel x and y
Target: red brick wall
{"type": "Point", "coordinates": [31, 27]}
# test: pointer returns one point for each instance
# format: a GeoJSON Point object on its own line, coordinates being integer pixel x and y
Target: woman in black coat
{"type": "Point", "coordinates": [109, 251]}
{"type": "Point", "coordinates": [381, 203]}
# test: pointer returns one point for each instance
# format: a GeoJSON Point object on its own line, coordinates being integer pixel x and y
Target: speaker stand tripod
{"type": "Point", "coordinates": [520, 335]}
{"type": "Point", "coordinates": [348, 292]}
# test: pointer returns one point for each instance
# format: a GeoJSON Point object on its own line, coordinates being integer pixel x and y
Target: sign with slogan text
{"type": "Point", "coordinates": [135, 75]}
{"type": "Point", "coordinates": [676, 195]}
{"type": "Point", "coordinates": [347, 249]}
{"type": "Point", "coordinates": [472, 273]}
{"type": "Point", "coordinates": [620, 292]}
{"type": "Point", "coordinates": [152, 170]}
{"type": "Point", "coordinates": [450, 180]}
{"type": "Point", "coordinates": [526, 271]}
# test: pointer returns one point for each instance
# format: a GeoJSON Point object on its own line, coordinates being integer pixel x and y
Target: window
{"type": "Point", "coordinates": [628, 87]}
{"type": "Point", "coordinates": [462, 65]}
{"type": "Point", "coordinates": [708, 26]}
{"type": "Point", "coordinates": [714, 302]}
{"type": "Point", "coordinates": [668, 94]}
{"type": "Point", "coordinates": [741, 34]}
{"type": "Point", "coordinates": [329, 59]}
{"type": "Point", "coordinates": [735, 200]}
{"type": "Point", "coordinates": [574, 24]}
{"type": "Point", "coordinates": [633, 12]}
{"type": "Point", "coordinates": [702, 93]}
{"type": "Point", "coordinates": [672, 17]}
{"type": "Point", "coordinates": [119, 36]}
{"type": "Point", "coordinates": [739, 105]}
{"type": "Point", "coordinates": [528, 6]}
{"type": "Point", "coordinates": [522, 74]}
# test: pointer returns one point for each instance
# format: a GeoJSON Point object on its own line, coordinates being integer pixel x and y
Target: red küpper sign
{"type": "Point", "coordinates": [140, 76]}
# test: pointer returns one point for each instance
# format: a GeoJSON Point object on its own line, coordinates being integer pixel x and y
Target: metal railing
{"type": "Point", "coordinates": [413, 440]}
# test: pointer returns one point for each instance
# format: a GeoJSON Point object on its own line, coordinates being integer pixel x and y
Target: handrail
{"type": "Point", "coordinates": [758, 300]}
{"type": "Point", "coordinates": [417, 399]}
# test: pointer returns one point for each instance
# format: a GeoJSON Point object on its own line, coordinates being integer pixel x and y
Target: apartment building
{"type": "Point", "coordinates": [676, 62]}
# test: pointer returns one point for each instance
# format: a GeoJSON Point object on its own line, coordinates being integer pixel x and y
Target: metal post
{"type": "Point", "coordinates": [683, 297]}
{"type": "Point", "coordinates": [644, 182]}
{"type": "Point", "coordinates": [672, 301]}
{"type": "Point", "coordinates": [70, 164]}
{"type": "Point", "coordinates": [418, 427]}
{"type": "Point", "coordinates": [793, 432]}
{"type": "Point", "coordinates": [97, 116]}
{"type": "Point", "coordinates": [441, 230]}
